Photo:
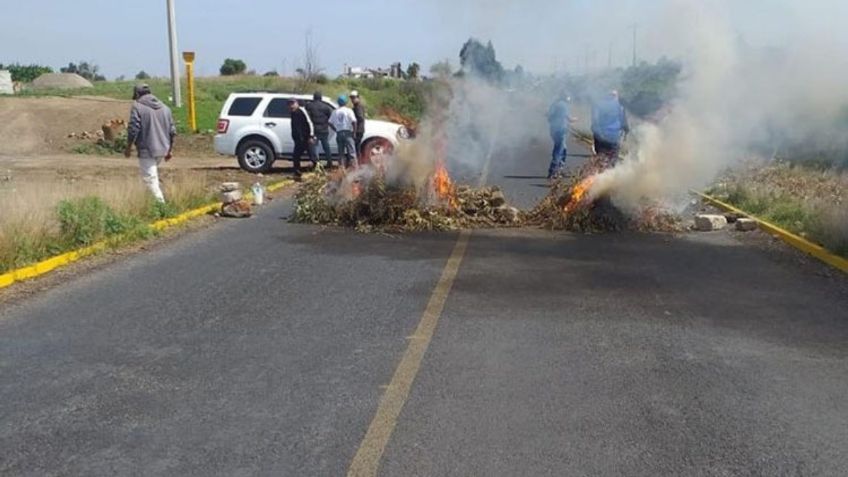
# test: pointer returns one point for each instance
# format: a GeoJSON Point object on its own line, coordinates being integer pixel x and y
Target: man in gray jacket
{"type": "Point", "coordinates": [151, 129]}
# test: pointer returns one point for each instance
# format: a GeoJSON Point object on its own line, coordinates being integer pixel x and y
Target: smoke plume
{"type": "Point", "coordinates": [732, 98]}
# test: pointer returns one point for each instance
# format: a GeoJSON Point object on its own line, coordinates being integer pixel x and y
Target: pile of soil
{"type": "Point", "coordinates": [60, 81]}
{"type": "Point", "coordinates": [31, 126]}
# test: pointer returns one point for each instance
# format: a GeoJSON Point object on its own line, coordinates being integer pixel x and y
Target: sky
{"type": "Point", "coordinates": [124, 37]}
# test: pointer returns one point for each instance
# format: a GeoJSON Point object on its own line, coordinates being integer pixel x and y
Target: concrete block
{"type": "Point", "coordinates": [230, 186]}
{"type": "Point", "coordinates": [710, 222]}
{"type": "Point", "coordinates": [231, 196]}
{"type": "Point", "coordinates": [746, 225]}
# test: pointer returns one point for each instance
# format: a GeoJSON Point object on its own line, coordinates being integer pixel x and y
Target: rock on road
{"type": "Point", "coordinates": [261, 347]}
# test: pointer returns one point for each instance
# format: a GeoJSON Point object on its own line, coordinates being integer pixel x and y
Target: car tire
{"type": "Point", "coordinates": [375, 149]}
{"type": "Point", "coordinates": [256, 156]}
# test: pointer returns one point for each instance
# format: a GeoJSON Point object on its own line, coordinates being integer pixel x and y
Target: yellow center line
{"type": "Point", "coordinates": [366, 462]}
{"type": "Point", "coordinates": [367, 458]}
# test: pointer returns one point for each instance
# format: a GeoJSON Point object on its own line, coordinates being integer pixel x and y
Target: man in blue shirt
{"type": "Point", "coordinates": [609, 124]}
{"type": "Point", "coordinates": [558, 120]}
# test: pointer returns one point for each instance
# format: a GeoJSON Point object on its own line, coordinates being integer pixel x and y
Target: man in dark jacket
{"type": "Point", "coordinates": [303, 133]}
{"type": "Point", "coordinates": [319, 111]}
{"type": "Point", "coordinates": [359, 112]}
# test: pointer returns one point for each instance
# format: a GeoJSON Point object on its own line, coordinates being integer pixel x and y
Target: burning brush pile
{"type": "Point", "coordinates": [571, 205]}
{"type": "Point", "coordinates": [376, 199]}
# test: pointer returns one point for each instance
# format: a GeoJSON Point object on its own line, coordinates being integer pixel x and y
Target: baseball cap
{"type": "Point", "coordinates": [354, 94]}
{"type": "Point", "coordinates": [140, 90]}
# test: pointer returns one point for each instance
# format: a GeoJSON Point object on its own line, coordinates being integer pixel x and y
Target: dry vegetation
{"type": "Point", "coordinates": [42, 219]}
{"type": "Point", "coordinates": [810, 202]}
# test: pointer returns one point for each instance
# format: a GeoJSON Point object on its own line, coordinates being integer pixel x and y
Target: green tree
{"type": "Point", "coordinates": [25, 73]}
{"type": "Point", "coordinates": [142, 75]}
{"type": "Point", "coordinates": [645, 88]}
{"type": "Point", "coordinates": [442, 69]}
{"type": "Point", "coordinates": [481, 61]}
{"type": "Point", "coordinates": [412, 71]}
{"type": "Point", "coordinates": [89, 71]}
{"type": "Point", "coordinates": [233, 67]}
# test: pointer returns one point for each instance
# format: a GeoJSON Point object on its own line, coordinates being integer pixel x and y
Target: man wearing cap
{"type": "Point", "coordinates": [343, 121]}
{"type": "Point", "coordinates": [359, 112]}
{"type": "Point", "coordinates": [152, 130]}
{"type": "Point", "coordinates": [303, 133]}
{"type": "Point", "coordinates": [320, 113]}
{"type": "Point", "coordinates": [559, 119]}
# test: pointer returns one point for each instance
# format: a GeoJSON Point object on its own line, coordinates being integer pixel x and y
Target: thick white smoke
{"type": "Point", "coordinates": [732, 97]}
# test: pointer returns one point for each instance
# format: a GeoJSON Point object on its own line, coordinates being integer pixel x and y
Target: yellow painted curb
{"type": "Point", "coordinates": [46, 266]}
{"type": "Point", "coordinates": [794, 240]}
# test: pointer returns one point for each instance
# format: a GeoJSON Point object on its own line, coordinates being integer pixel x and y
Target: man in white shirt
{"type": "Point", "coordinates": [343, 122]}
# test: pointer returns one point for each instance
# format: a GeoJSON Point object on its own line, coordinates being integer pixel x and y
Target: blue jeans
{"type": "Point", "coordinates": [324, 141]}
{"type": "Point", "coordinates": [347, 148]}
{"type": "Point", "coordinates": [559, 154]}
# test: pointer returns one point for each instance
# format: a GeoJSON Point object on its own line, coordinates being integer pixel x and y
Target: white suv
{"type": "Point", "coordinates": [256, 128]}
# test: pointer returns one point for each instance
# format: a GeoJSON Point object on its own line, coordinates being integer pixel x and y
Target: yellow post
{"type": "Point", "coordinates": [188, 56]}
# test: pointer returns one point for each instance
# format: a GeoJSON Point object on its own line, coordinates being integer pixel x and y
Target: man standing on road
{"type": "Point", "coordinates": [303, 133]}
{"type": "Point", "coordinates": [359, 112]}
{"type": "Point", "coordinates": [559, 120]}
{"type": "Point", "coordinates": [152, 130]}
{"type": "Point", "coordinates": [609, 125]}
{"type": "Point", "coordinates": [320, 113]}
{"type": "Point", "coordinates": [343, 121]}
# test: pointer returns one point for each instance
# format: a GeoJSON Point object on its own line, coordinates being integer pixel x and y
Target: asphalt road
{"type": "Point", "coordinates": [260, 347]}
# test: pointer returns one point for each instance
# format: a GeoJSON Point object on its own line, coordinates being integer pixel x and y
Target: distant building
{"type": "Point", "coordinates": [395, 70]}
{"type": "Point", "coordinates": [6, 85]}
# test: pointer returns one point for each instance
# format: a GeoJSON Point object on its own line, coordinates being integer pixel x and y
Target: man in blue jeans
{"type": "Point", "coordinates": [558, 120]}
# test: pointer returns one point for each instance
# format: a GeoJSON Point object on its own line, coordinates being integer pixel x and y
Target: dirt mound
{"type": "Point", "coordinates": [41, 125]}
{"type": "Point", "coordinates": [60, 81]}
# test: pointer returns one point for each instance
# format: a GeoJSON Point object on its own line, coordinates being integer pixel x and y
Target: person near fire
{"type": "Point", "coordinates": [319, 111]}
{"type": "Point", "coordinates": [303, 133]}
{"type": "Point", "coordinates": [559, 119]}
{"type": "Point", "coordinates": [359, 112]}
{"type": "Point", "coordinates": [343, 121]}
{"type": "Point", "coordinates": [152, 130]}
{"type": "Point", "coordinates": [609, 125]}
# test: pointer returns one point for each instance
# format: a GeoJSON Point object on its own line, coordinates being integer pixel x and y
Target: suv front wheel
{"type": "Point", "coordinates": [256, 156]}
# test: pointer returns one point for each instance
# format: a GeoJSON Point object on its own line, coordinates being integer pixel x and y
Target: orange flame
{"type": "Point", "coordinates": [579, 193]}
{"type": "Point", "coordinates": [442, 185]}
{"type": "Point", "coordinates": [355, 189]}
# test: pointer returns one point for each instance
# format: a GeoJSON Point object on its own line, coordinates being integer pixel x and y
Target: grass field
{"type": "Point", "coordinates": [49, 218]}
{"type": "Point", "coordinates": [405, 97]}
{"type": "Point", "coordinates": [810, 202]}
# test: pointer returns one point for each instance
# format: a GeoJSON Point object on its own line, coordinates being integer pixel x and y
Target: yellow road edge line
{"type": "Point", "coordinates": [366, 462]}
{"type": "Point", "coordinates": [50, 264]}
{"type": "Point", "coordinates": [794, 240]}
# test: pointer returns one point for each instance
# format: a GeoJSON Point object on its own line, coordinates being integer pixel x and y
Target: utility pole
{"type": "Point", "coordinates": [635, 28]}
{"type": "Point", "coordinates": [175, 65]}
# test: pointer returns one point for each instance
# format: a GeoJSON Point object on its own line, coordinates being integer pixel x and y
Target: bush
{"type": "Point", "coordinates": [88, 220]}
{"type": "Point", "coordinates": [103, 147]}
{"type": "Point", "coordinates": [646, 88]}
{"type": "Point", "coordinates": [85, 69]}
{"type": "Point", "coordinates": [25, 73]}
{"type": "Point", "coordinates": [142, 75]}
{"type": "Point", "coordinates": [233, 67]}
